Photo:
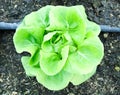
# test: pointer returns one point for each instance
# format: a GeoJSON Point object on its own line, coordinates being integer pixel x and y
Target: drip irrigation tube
{"type": "Point", "coordinates": [8, 26]}
{"type": "Point", "coordinates": [107, 28]}
{"type": "Point", "coordinates": [13, 26]}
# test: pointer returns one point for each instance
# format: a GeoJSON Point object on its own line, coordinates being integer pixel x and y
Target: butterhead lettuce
{"type": "Point", "coordinates": [63, 44]}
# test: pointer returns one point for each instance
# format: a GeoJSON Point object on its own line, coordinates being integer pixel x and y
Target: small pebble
{"type": "Point", "coordinates": [71, 94]}
{"type": "Point", "coordinates": [15, 6]}
{"type": "Point", "coordinates": [105, 35]}
{"type": "Point", "coordinates": [119, 16]}
{"type": "Point", "coordinates": [111, 15]}
{"type": "Point", "coordinates": [117, 68]}
{"type": "Point", "coordinates": [109, 51]}
{"type": "Point", "coordinates": [1, 80]}
{"type": "Point", "coordinates": [118, 57]}
{"type": "Point", "coordinates": [101, 79]}
{"type": "Point", "coordinates": [14, 93]}
{"type": "Point", "coordinates": [111, 45]}
{"type": "Point", "coordinates": [2, 11]}
{"type": "Point", "coordinates": [27, 92]}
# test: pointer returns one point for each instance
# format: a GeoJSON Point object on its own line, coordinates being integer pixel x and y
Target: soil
{"type": "Point", "coordinates": [106, 81]}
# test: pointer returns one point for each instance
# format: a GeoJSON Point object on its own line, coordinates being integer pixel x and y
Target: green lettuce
{"type": "Point", "coordinates": [63, 44]}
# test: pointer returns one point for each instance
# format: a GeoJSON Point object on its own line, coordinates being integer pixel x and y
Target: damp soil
{"type": "Point", "coordinates": [106, 80]}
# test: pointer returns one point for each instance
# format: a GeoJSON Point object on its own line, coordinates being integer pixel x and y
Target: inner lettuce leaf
{"type": "Point", "coordinates": [53, 60]}
{"type": "Point", "coordinates": [63, 44]}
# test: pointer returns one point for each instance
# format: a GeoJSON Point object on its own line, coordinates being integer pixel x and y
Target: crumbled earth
{"type": "Point", "coordinates": [106, 81]}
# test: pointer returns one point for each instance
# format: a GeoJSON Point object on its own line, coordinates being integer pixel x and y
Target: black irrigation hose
{"type": "Point", "coordinates": [13, 26]}
{"type": "Point", "coordinates": [8, 26]}
{"type": "Point", "coordinates": [107, 28]}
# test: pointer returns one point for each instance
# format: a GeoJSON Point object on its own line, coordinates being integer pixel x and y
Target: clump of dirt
{"type": "Point", "coordinates": [106, 81]}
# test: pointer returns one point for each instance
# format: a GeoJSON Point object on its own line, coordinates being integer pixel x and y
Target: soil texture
{"type": "Point", "coordinates": [106, 81]}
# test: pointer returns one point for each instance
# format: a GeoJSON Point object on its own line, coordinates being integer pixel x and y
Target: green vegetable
{"type": "Point", "coordinates": [63, 44]}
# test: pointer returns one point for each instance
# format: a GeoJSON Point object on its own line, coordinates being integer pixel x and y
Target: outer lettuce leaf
{"type": "Point", "coordinates": [92, 29]}
{"type": "Point", "coordinates": [87, 57]}
{"type": "Point", "coordinates": [25, 41]}
{"type": "Point", "coordinates": [80, 78]}
{"type": "Point", "coordinates": [30, 33]}
{"type": "Point", "coordinates": [56, 82]}
{"type": "Point", "coordinates": [34, 60]}
{"type": "Point", "coordinates": [38, 18]}
{"type": "Point", "coordinates": [30, 70]}
{"type": "Point", "coordinates": [31, 30]}
{"type": "Point", "coordinates": [64, 46]}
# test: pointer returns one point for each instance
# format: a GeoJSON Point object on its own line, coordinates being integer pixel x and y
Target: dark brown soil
{"type": "Point", "coordinates": [106, 81]}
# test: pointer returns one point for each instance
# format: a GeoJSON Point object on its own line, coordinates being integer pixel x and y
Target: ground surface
{"type": "Point", "coordinates": [106, 81]}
